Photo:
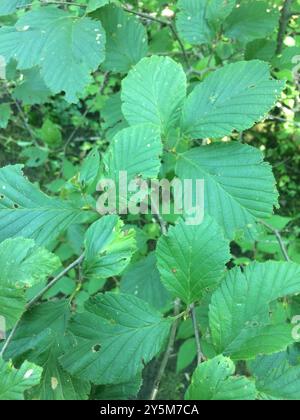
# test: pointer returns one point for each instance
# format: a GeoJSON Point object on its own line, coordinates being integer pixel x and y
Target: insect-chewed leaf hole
{"type": "Point", "coordinates": [96, 348]}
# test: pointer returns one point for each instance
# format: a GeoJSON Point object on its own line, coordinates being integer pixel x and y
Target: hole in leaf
{"type": "Point", "coordinates": [96, 348]}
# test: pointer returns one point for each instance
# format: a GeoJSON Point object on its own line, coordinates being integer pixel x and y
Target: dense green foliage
{"type": "Point", "coordinates": [125, 306]}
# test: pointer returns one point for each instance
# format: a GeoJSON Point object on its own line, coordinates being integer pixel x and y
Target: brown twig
{"type": "Point", "coordinates": [21, 113]}
{"type": "Point", "coordinates": [283, 23]}
{"type": "Point", "coordinates": [70, 267]}
{"type": "Point", "coordinates": [145, 16]}
{"type": "Point", "coordinates": [30, 304]}
{"type": "Point", "coordinates": [49, 2]}
{"type": "Point", "coordinates": [159, 218]}
{"type": "Point", "coordinates": [185, 55]}
{"type": "Point", "coordinates": [163, 22]}
{"type": "Point", "coordinates": [279, 239]}
{"type": "Point", "coordinates": [168, 352]}
{"type": "Point", "coordinates": [74, 132]}
{"type": "Point", "coordinates": [200, 356]}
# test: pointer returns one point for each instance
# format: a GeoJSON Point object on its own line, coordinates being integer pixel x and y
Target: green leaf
{"type": "Point", "coordinates": [26, 211]}
{"type": "Point", "coordinates": [56, 384]}
{"type": "Point", "coordinates": [276, 379]}
{"type": "Point", "coordinates": [36, 156]}
{"type": "Point", "coordinates": [38, 329]}
{"type": "Point", "coordinates": [23, 265]}
{"type": "Point", "coordinates": [40, 336]}
{"type": "Point", "coordinates": [10, 6]}
{"type": "Point", "coordinates": [142, 279]}
{"type": "Point", "coordinates": [66, 48]}
{"type": "Point", "coordinates": [113, 338]}
{"type": "Point", "coordinates": [12, 304]}
{"type": "Point", "coordinates": [240, 310]}
{"type": "Point", "coordinates": [198, 21]}
{"type": "Point", "coordinates": [214, 381]}
{"type": "Point", "coordinates": [186, 354]}
{"type": "Point", "coordinates": [112, 114]}
{"type": "Point", "coordinates": [261, 49]}
{"type": "Point", "coordinates": [109, 248]}
{"type": "Point", "coordinates": [5, 113]}
{"type": "Point", "coordinates": [13, 383]}
{"type": "Point", "coordinates": [234, 97]}
{"type": "Point", "coordinates": [90, 169]}
{"type": "Point", "coordinates": [251, 20]}
{"type": "Point", "coordinates": [32, 89]}
{"type": "Point", "coordinates": [125, 391]}
{"type": "Point", "coordinates": [135, 150]}
{"type": "Point", "coordinates": [154, 92]}
{"type": "Point", "coordinates": [50, 133]}
{"type": "Point", "coordinates": [226, 169]}
{"type": "Point", "coordinates": [96, 4]}
{"type": "Point", "coordinates": [288, 59]}
{"type": "Point", "coordinates": [192, 258]}
{"type": "Point", "coordinates": [126, 39]}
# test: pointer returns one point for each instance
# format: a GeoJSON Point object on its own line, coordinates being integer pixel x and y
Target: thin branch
{"type": "Point", "coordinates": [9, 338]}
{"type": "Point", "coordinates": [279, 239]}
{"type": "Point", "coordinates": [284, 120]}
{"type": "Point", "coordinates": [21, 112]}
{"type": "Point", "coordinates": [168, 352]}
{"type": "Point", "coordinates": [162, 223]}
{"type": "Point", "coordinates": [200, 73]}
{"type": "Point", "coordinates": [284, 21]}
{"type": "Point", "coordinates": [30, 304]}
{"type": "Point", "coordinates": [163, 22]}
{"type": "Point", "coordinates": [48, 2]}
{"type": "Point", "coordinates": [74, 132]}
{"type": "Point", "coordinates": [200, 356]}
{"type": "Point", "coordinates": [146, 16]}
{"type": "Point", "coordinates": [185, 55]}
{"type": "Point", "coordinates": [54, 281]}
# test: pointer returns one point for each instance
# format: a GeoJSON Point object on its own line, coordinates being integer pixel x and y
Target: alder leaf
{"type": "Point", "coordinates": [234, 97]}
{"type": "Point", "coordinates": [13, 383]}
{"type": "Point", "coordinates": [66, 48]}
{"type": "Point", "coordinates": [26, 211]}
{"type": "Point", "coordinates": [135, 150]}
{"type": "Point", "coordinates": [198, 21]}
{"type": "Point", "coordinates": [126, 39]}
{"type": "Point", "coordinates": [109, 247]}
{"type": "Point", "coordinates": [251, 20]}
{"type": "Point", "coordinates": [40, 336]}
{"type": "Point", "coordinates": [115, 335]}
{"type": "Point", "coordinates": [96, 4]}
{"type": "Point", "coordinates": [192, 258]}
{"type": "Point", "coordinates": [226, 169]}
{"type": "Point", "coordinates": [276, 378]}
{"type": "Point", "coordinates": [125, 391]}
{"type": "Point", "coordinates": [23, 265]}
{"type": "Point", "coordinates": [214, 381]}
{"type": "Point", "coordinates": [32, 90]}
{"type": "Point", "coordinates": [142, 279]}
{"type": "Point", "coordinates": [154, 92]}
{"type": "Point", "coordinates": [112, 114]}
{"type": "Point", "coordinates": [239, 313]}
{"type": "Point", "coordinates": [10, 6]}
